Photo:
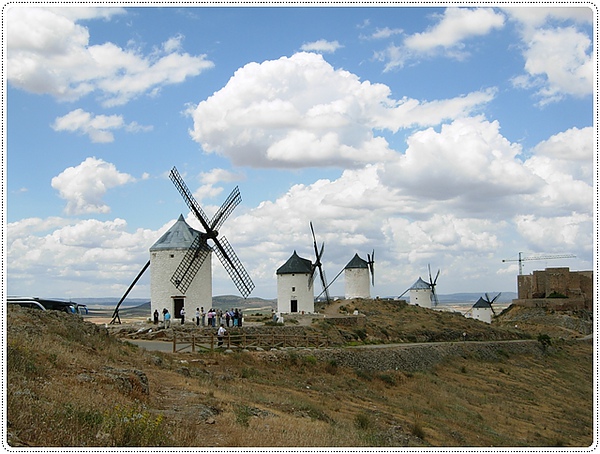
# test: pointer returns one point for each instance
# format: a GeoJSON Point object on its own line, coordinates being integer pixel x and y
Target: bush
{"type": "Point", "coordinates": [544, 340]}
{"type": "Point", "coordinates": [362, 421]}
{"type": "Point", "coordinates": [123, 426]}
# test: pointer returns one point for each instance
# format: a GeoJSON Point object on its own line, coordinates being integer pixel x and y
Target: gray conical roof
{"type": "Point", "coordinates": [420, 285]}
{"type": "Point", "coordinates": [357, 262]}
{"type": "Point", "coordinates": [295, 265]}
{"type": "Point", "coordinates": [482, 304]}
{"type": "Point", "coordinates": [179, 236]}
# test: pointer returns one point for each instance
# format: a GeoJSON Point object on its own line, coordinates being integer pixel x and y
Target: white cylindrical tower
{"type": "Point", "coordinates": [420, 294]}
{"type": "Point", "coordinates": [294, 294]}
{"type": "Point", "coordinates": [165, 256]}
{"type": "Point", "coordinates": [356, 276]}
{"type": "Point", "coordinates": [482, 310]}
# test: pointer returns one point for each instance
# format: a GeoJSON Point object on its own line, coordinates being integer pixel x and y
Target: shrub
{"type": "Point", "coordinates": [132, 426]}
{"type": "Point", "coordinates": [242, 415]}
{"type": "Point", "coordinates": [388, 379]}
{"type": "Point", "coordinates": [310, 359]}
{"type": "Point", "coordinates": [544, 341]}
{"type": "Point", "coordinates": [362, 421]}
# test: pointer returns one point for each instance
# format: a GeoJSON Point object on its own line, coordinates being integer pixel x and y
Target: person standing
{"type": "Point", "coordinates": [203, 315]}
{"type": "Point", "coordinates": [156, 316]}
{"type": "Point", "coordinates": [220, 333]}
{"type": "Point", "coordinates": [197, 317]}
{"type": "Point", "coordinates": [182, 313]}
{"type": "Point", "coordinates": [167, 318]}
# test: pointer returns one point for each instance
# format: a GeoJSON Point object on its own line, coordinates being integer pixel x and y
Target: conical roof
{"type": "Point", "coordinates": [179, 236]}
{"type": "Point", "coordinates": [420, 285]}
{"type": "Point", "coordinates": [482, 304]}
{"type": "Point", "coordinates": [357, 262]}
{"type": "Point", "coordinates": [295, 265]}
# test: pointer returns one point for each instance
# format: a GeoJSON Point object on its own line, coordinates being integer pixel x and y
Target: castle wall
{"type": "Point", "coordinates": [576, 286]}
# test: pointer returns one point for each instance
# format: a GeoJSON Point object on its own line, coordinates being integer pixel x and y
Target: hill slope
{"type": "Point", "coordinates": [71, 383]}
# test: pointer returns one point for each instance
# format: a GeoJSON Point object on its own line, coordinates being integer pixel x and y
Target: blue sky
{"type": "Point", "coordinates": [455, 137]}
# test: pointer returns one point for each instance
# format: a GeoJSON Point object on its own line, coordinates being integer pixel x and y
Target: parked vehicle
{"type": "Point", "coordinates": [27, 303]}
{"type": "Point", "coordinates": [48, 304]}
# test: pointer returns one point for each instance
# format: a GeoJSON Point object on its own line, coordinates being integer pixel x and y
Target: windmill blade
{"type": "Point", "coordinates": [311, 278]}
{"type": "Point", "coordinates": [487, 298]}
{"type": "Point", "coordinates": [190, 264]}
{"type": "Point", "coordinates": [324, 283]}
{"type": "Point", "coordinates": [429, 270]}
{"type": "Point", "coordinates": [495, 298]}
{"type": "Point", "coordinates": [234, 267]}
{"type": "Point", "coordinates": [189, 199]}
{"type": "Point", "coordinates": [220, 216]}
{"type": "Point", "coordinates": [435, 297]}
{"type": "Point", "coordinates": [436, 277]}
{"type": "Point", "coordinates": [318, 258]}
{"type": "Point", "coordinates": [371, 264]}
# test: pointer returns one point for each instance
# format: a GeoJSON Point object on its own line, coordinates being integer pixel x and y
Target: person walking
{"type": "Point", "coordinates": [167, 318]}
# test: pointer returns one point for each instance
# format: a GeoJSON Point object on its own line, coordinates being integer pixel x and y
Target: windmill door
{"type": "Point", "coordinates": [294, 306]}
{"type": "Point", "coordinates": [177, 306]}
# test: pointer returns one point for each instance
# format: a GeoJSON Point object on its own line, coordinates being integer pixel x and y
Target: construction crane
{"type": "Point", "coordinates": [521, 259]}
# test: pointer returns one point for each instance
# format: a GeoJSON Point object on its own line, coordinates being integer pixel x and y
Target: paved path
{"type": "Point", "coordinates": [156, 346]}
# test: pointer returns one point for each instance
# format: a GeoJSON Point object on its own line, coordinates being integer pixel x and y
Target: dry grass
{"type": "Point", "coordinates": [57, 395]}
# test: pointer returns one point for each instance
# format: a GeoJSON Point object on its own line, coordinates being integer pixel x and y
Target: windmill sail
{"type": "Point", "coordinates": [234, 267]}
{"type": "Point", "coordinates": [199, 250]}
{"type": "Point", "coordinates": [432, 284]}
{"type": "Point", "coordinates": [220, 216]}
{"type": "Point", "coordinates": [190, 264]}
{"type": "Point", "coordinates": [319, 265]}
{"type": "Point", "coordinates": [371, 264]}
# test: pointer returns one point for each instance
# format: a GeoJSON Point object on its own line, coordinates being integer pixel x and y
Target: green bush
{"type": "Point", "coordinates": [123, 426]}
{"type": "Point", "coordinates": [362, 421]}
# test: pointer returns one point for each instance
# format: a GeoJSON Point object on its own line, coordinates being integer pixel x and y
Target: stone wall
{"type": "Point", "coordinates": [413, 358]}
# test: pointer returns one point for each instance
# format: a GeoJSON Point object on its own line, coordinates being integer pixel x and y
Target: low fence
{"type": "Point", "coordinates": [210, 341]}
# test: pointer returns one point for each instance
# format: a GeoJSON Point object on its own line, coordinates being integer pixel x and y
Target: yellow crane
{"type": "Point", "coordinates": [521, 259]}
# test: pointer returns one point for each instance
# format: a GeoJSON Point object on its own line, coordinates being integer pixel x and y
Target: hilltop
{"type": "Point", "coordinates": [73, 383]}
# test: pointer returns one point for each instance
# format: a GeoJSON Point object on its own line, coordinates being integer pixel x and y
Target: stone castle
{"type": "Point", "coordinates": [558, 288]}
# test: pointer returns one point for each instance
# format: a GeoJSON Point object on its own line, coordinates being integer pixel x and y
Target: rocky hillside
{"type": "Point", "coordinates": [74, 383]}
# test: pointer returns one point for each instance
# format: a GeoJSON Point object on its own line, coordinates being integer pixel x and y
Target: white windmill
{"type": "Point", "coordinates": [423, 293]}
{"type": "Point", "coordinates": [295, 292]}
{"type": "Point", "coordinates": [483, 309]}
{"type": "Point", "coordinates": [180, 261]}
{"type": "Point", "coordinates": [359, 275]}
{"type": "Point", "coordinates": [295, 289]}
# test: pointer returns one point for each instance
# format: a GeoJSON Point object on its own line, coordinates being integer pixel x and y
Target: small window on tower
{"type": "Point", "coordinates": [172, 255]}
{"type": "Point", "coordinates": [293, 289]}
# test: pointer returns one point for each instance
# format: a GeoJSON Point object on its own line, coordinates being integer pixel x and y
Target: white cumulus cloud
{"type": "Point", "coordinates": [299, 111]}
{"type": "Point", "coordinates": [455, 26]}
{"type": "Point", "coordinates": [99, 128]}
{"type": "Point", "coordinates": [48, 52]}
{"type": "Point", "coordinates": [84, 186]}
{"type": "Point", "coordinates": [321, 45]}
